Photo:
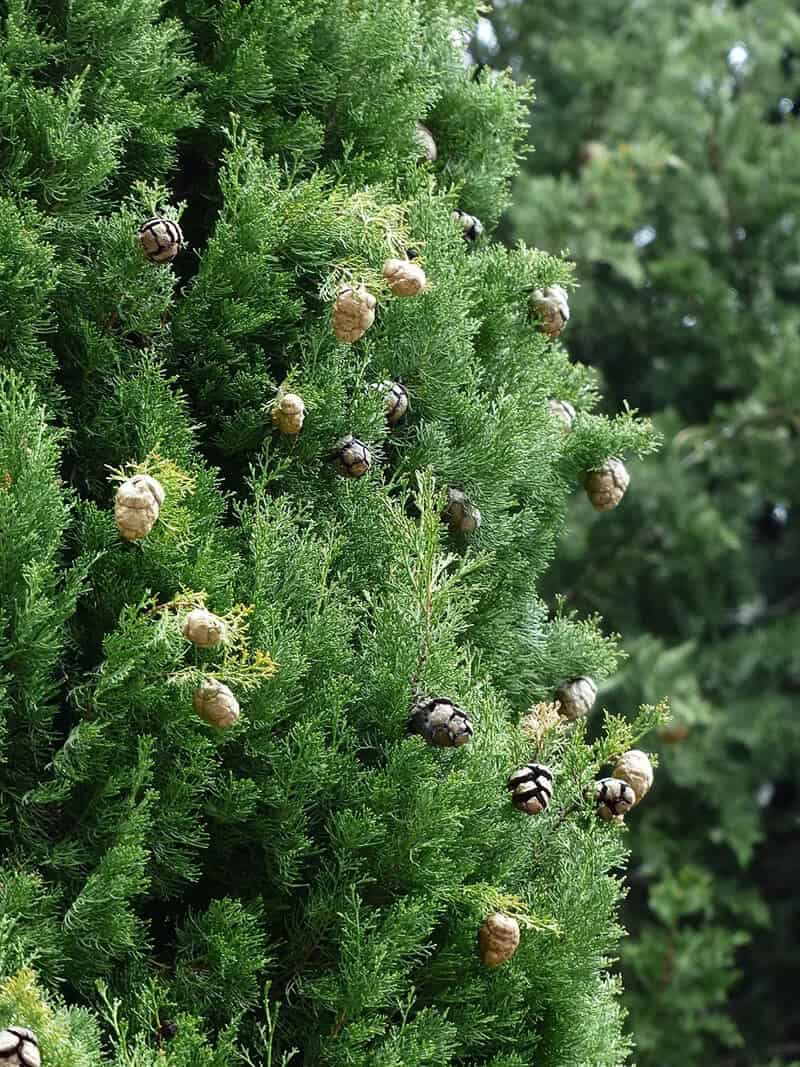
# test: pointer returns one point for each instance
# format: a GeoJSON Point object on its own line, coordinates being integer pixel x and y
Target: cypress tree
{"type": "Point", "coordinates": [304, 883]}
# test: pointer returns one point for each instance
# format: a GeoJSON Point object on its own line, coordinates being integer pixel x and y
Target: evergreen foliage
{"type": "Point", "coordinates": [307, 886]}
{"type": "Point", "coordinates": [667, 142]}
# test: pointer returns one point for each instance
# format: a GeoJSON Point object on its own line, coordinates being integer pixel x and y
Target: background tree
{"type": "Point", "coordinates": [666, 144]}
{"type": "Point", "coordinates": [305, 886]}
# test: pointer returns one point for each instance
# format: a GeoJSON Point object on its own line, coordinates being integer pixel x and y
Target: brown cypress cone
{"type": "Point", "coordinates": [427, 145]}
{"type": "Point", "coordinates": [635, 768]}
{"type": "Point", "coordinates": [498, 938]}
{"type": "Point", "coordinates": [395, 401]}
{"type": "Point", "coordinates": [203, 628]}
{"type": "Point", "coordinates": [461, 515]}
{"type": "Point", "coordinates": [404, 277]}
{"type": "Point", "coordinates": [606, 486]}
{"type": "Point", "coordinates": [471, 227]}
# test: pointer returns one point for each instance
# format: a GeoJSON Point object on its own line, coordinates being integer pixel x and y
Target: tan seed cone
{"type": "Point", "coordinates": [353, 313]}
{"type": "Point", "coordinates": [395, 401]}
{"type": "Point", "coordinates": [352, 457]}
{"type": "Point", "coordinates": [635, 768]}
{"type": "Point", "coordinates": [161, 239]}
{"type": "Point", "coordinates": [441, 722]}
{"type": "Point", "coordinates": [552, 308]}
{"type": "Point", "coordinates": [203, 628]}
{"type": "Point", "coordinates": [498, 938]}
{"type": "Point", "coordinates": [137, 505]}
{"type": "Point", "coordinates": [471, 226]}
{"type": "Point", "coordinates": [427, 145]}
{"type": "Point", "coordinates": [576, 697]}
{"type": "Point", "coordinates": [531, 788]}
{"type": "Point", "coordinates": [216, 704]}
{"type": "Point", "coordinates": [289, 414]}
{"type": "Point", "coordinates": [404, 277]}
{"type": "Point", "coordinates": [462, 516]}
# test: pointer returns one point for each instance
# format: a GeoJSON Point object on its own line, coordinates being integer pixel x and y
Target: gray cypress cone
{"type": "Point", "coordinates": [531, 788]}
{"type": "Point", "coordinates": [441, 722]}
{"type": "Point", "coordinates": [19, 1048]}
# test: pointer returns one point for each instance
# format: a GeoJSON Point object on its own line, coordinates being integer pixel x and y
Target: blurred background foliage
{"type": "Point", "coordinates": [667, 153]}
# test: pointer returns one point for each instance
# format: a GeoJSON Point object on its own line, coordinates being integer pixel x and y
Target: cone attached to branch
{"type": "Point", "coordinates": [606, 486]}
{"type": "Point", "coordinates": [161, 239]}
{"type": "Point", "coordinates": [635, 768]}
{"type": "Point", "coordinates": [461, 515]}
{"type": "Point", "coordinates": [576, 697]}
{"type": "Point", "coordinates": [19, 1047]}
{"type": "Point", "coordinates": [471, 227]}
{"type": "Point", "coordinates": [564, 412]}
{"type": "Point", "coordinates": [551, 307]}
{"type": "Point", "coordinates": [395, 401]}
{"type": "Point", "coordinates": [137, 506]}
{"type": "Point", "coordinates": [404, 277]}
{"type": "Point", "coordinates": [203, 628]}
{"type": "Point", "coordinates": [613, 798]}
{"type": "Point", "coordinates": [427, 145]}
{"type": "Point", "coordinates": [353, 312]}
{"type": "Point", "coordinates": [352, 457]}
{"type": "Point", "coordinates": [531, 788]}
{"type": "Point", "coordinates": [216, 704]}
{"type": "Point", "coordinates": [498, 938]}
{"type": "Point", "coordinates": [441, 722]}
{"type": "Point", "coordinates": [289, 413]}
